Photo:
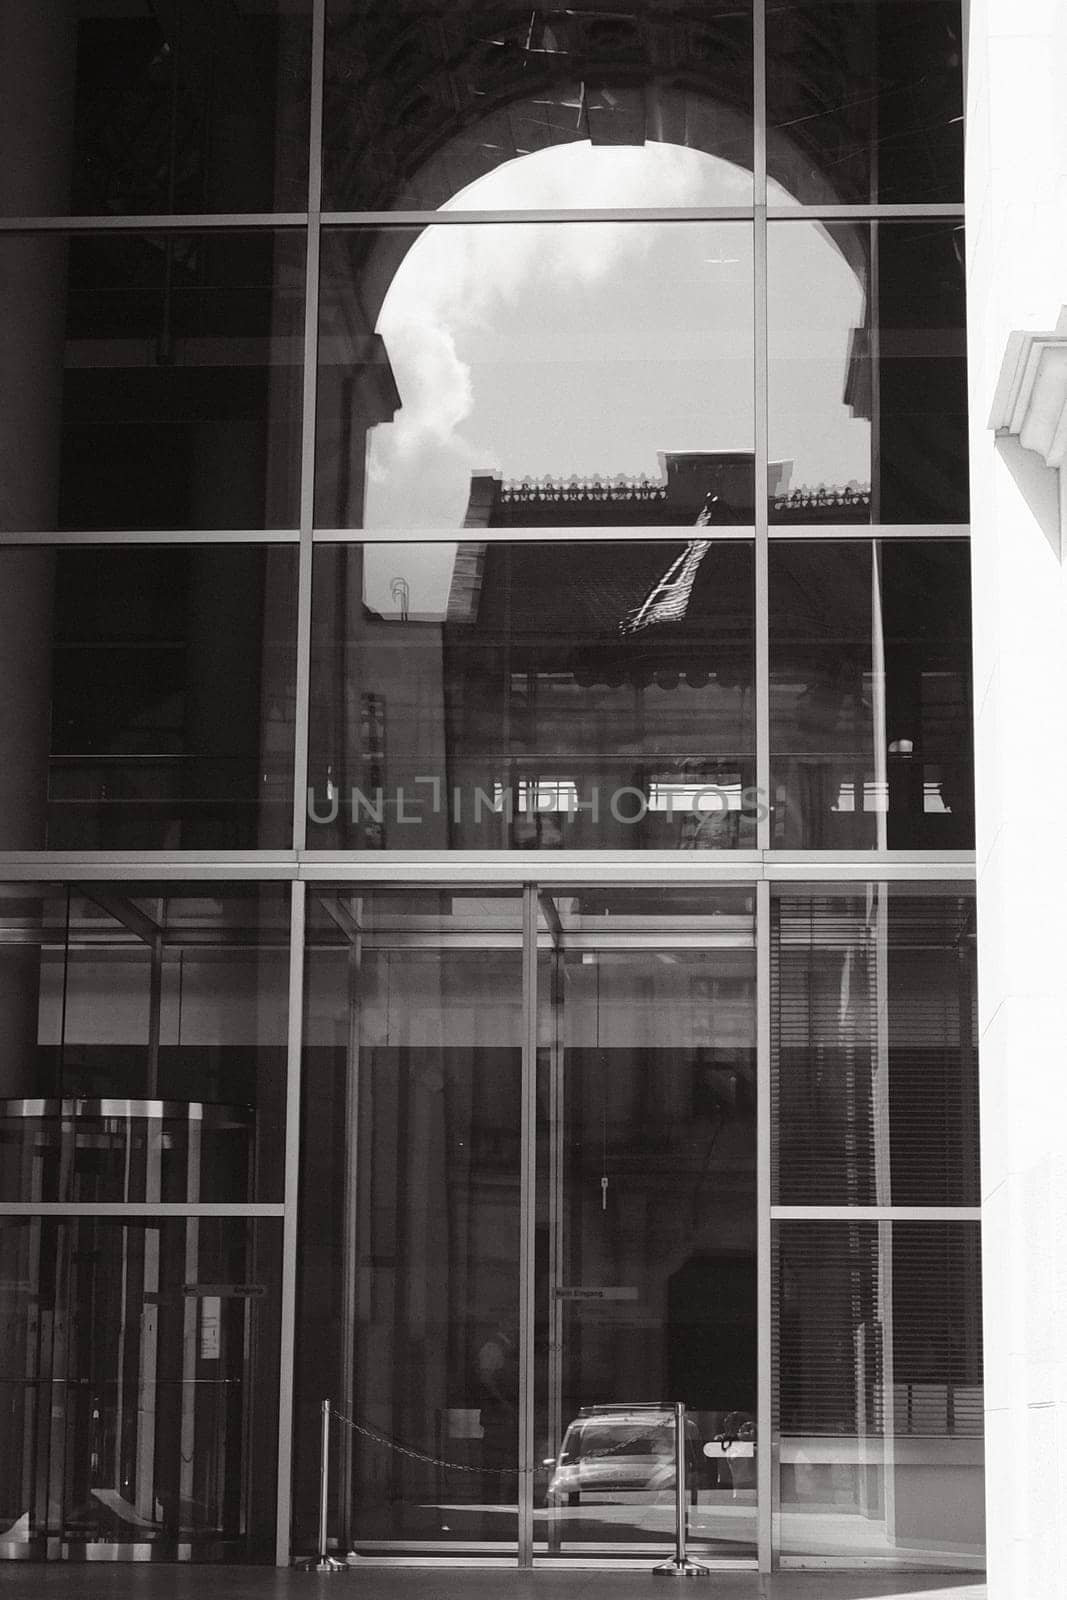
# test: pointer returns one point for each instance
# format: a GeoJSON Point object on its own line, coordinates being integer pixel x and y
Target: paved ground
{"type": "Point", "coordinates": [147, 1582]}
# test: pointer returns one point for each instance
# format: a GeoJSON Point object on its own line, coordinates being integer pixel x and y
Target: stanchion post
{"type": "Point", "coordinates": [326, 1562]}
{"type": "Point", "coordinates": [680, 1566]}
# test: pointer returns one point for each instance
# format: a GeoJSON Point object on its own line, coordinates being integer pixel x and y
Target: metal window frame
{"type": "Point", "coordinates": [452, 869]}
{"type": "Point", "coordinates": [231, 221]}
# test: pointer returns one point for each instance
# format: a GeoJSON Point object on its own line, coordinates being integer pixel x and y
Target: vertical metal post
{"type": "Point", "coordinates": [884, 1197]}
{"type": "Point", "coordinates": [148, 1369]}
{"type": "Point", "coordinates": [290, 1241]}
{"type": "Point", "coordinates": [556, 1225]}
{"type": "Point", "coordinates": [680, 1507]}
{"type": "Point", "coordinates": [190, 1315]}
{"type": "Point", "coordinates": [766, 1444]}
{"type": "Point", "coordinates": [874, 295]}
{"type": "Point", "coordinates": [680, 1566]}
{"type": "Point", "coordinates": [325, 1563]}
{"type": "Point", "coordinates": [527, 1224]}
{"type": "Point", "coordinates": [761, 435]}
{"type": "Point", "coordinates": [155, 1010]}
{"type": "Point", "coordinates": [349, 1264]}
{"type": "Point", "coordinates": [878, 708]}
{"type": "Point", "coordinates": [307, 433]}
{"type": "Point", "coordinates": [324, 1480]}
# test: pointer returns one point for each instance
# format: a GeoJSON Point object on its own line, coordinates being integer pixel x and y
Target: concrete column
{"type": "Point", "coordinates": [1017, 280]}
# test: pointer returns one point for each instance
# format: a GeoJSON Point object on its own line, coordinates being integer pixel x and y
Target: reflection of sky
{"type": "Point", "coordinates": [536, 349]}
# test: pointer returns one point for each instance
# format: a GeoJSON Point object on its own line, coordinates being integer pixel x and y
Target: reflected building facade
{"type": "Point", "coordinates": [487, 793]}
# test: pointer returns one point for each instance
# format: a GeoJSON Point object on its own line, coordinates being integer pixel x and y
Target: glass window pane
{"type": "Point", "coordinates": [155, 698]}
{"type": "Point", "coordinates": [865, 101]}
{"type": "Point", "coordinates": [498, 106]}
{"type": "Point", "coordinates": [148, 1429]}
{"type": "Point", "coordinates": [536, 374]}
{"type": "Point", "coordinates": [867, 373]}
{"type": "Point", "coordinates": [410, 1215]}
{"type": "Point", "coordinates": [144, 1042]}
{"type": "Point", "coordinates": [870, 683]}
{"type": "Point", "coordinates": [878, 1391]}
{"type": "Point", "coordinates": [163, 390]}
{"type": "Point", "coordinates": [491, 696]}
{"type": "Point", "coordinates": [874, 1046]}
{"type": "Point", "coordinates": [182, 107]}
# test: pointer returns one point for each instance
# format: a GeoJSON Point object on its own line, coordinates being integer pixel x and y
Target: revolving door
{"type": "Point", "coordinates": [132, 1346]}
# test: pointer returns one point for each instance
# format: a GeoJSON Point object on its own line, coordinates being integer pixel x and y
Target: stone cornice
{"type": "Point", "coordinates": [1030, 407]}
{"type": "Point", "coordinates": [1031, 397]}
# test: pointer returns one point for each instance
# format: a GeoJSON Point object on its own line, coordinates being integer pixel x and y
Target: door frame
{"type": "Point", "coordinates": [541, 932]}
{"type": "Point", "coordinates": [538, 901]}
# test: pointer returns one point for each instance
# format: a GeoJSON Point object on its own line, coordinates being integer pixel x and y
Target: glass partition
{"type": "Point", "coordinates": [557, 374]}
{"type": "Point", "coordinates": [144, 1042]}
{"type": "Point", "coordinates": [870, 695]}
{"type": "Point", "coordinates": [878, 1392]}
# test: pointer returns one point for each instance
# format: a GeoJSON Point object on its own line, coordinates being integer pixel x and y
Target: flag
{"type": "Point", "coordinates": [668, 600]}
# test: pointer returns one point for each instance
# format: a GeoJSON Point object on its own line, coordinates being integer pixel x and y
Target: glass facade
{"type": "Point", "coordinates": [545, 432]}
{"type": "Point", "coordinates": [867, 375]}
{"type": "Point", "coordinates": [164, 382]}
{"type": "Point", "coordinates": [531, 704]}
{"type": "Point", "coordinates": [157, 711]}
{"type": "Point", "coordinates": [878, 1390]}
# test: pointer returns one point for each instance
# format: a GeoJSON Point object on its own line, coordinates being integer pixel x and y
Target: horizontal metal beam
{"type": "Point", "coordinates": [786, 213]}
{"type": "Point", "coordinates": [876, 1213]}
{"type": "Point", "coordinates": [532, 534]}
{"type": "Point", "coordinates": [117, 866]}
{"type": "Point", "coordinates": [564, 534]}
{"type": "Point", "coordinates": [860, 213]}
{"type": "Point", "coordinates": [172, 222]}
{"type": "Point", "coordinates": [870, 530]}
{"type": "Point", "coordinates": [237, 221]}
{"type": "Point", "coordinates": [143, 1208]}
{"type": "Point", "coordinates": [540, 214]}
{"type": "Point", "coordinates": [461, 868]}
{"type": "Point", "coordinates": [182, 536]}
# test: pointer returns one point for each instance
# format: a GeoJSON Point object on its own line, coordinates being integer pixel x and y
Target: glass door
{"type": "Point", "coordinates": [410, 1265]}
{"type": "Point", "coordinates": [529, 1220]}
{"type": "Point", "coordinates": [645, 1222]}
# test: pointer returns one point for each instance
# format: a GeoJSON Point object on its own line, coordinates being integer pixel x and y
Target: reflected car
{"type": "Point", "coordinates": [609, 1450]}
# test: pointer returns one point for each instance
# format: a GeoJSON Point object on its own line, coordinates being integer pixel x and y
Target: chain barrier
{"type": "Point", "coordinates": [679, 1567]}
{"type": "Point", "coordinates": [417, 1455]}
